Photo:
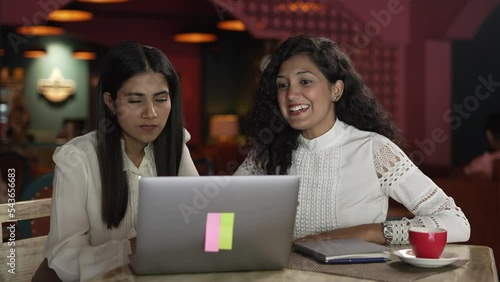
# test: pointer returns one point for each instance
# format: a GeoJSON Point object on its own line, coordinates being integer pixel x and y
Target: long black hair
{"type": "Point", "coordinates": [120, 64]}
{"type": "Point", "coordinates": [269, 133]}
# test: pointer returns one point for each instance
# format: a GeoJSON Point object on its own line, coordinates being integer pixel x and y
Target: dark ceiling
{"type": "Point", "coordinates": [22, 11]}
{"type": "Point", "coordinates": [168, 10]}
{"type": "Point", "coordinates": [136, 19]}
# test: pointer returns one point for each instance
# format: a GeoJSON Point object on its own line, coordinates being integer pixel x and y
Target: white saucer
{"type": "Point", "coordinates": [407, 256]}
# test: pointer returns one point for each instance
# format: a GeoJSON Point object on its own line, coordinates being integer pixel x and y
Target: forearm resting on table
{"type": "Point", "coordinates": [369, 232]}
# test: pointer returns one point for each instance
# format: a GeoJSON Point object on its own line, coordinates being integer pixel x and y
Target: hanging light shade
{"type": "Point", "coordinates": [34, 53]}
{"type": "Point", "coordinates": [232, 25]}
{"type": "Point", "coordinates": [103, 1]}
{"type": "Point", "coordinates": [195, 37]}
{"type": "Point", "coordinates": [84, 55]}
{"type": "Point", "coordinates": [39, 30]}
{"type": "Point", "coordinates": [67, 15]}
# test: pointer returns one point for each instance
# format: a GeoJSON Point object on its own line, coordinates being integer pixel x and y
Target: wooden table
{"type": "Point", "coordinates": [480, 267]}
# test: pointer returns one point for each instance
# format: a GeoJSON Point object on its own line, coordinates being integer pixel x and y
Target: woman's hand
{"type": "Point", "coordinates": [368, 232]}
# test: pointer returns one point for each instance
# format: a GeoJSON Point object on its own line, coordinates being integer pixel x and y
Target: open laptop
{"type": "Point", "coordinates": [214, 223]}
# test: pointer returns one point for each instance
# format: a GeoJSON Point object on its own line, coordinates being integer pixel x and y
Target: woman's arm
{"type": "Point", "coordinates": [400, 179]}
{"type": "Point", "coordinates": [371, 232]}
{"type": "Point", "coordinates": [249, 166]}
{"type": "Point", "coordinates": [67, 249]}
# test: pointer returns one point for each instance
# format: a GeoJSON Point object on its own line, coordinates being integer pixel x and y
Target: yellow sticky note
{"type": "Point", "coordinates": [226, 231]}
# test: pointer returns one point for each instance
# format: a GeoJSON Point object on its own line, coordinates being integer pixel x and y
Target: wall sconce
{"type": "Point", "coordinates": [34, 53]}
{"type": "Point", "coordinates": [224, 128]}
{"type": "Point", "coordinates": [231, 25]}
{"type": "Point", "coordinates": [67, 15]}
{"type": "Point", "coordinates": [39, 30]}
{"type": "Point", "coordinates": [56, 88]}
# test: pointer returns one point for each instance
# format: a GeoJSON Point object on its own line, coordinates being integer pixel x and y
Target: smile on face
{"type": "Point", "coordinates": [142, 108]}
{"type": "Point", "coordinates": [305, 97]}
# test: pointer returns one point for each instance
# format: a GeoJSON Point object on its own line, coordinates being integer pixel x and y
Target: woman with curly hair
{"type": "Point", "coordinates": [313, 116]}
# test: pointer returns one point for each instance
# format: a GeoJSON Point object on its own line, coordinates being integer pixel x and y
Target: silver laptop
{"type": "Point", "coordinates": [214, 223]}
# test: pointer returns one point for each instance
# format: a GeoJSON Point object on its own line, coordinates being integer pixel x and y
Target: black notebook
{"type": "Point", "coordinates": [344, 251]}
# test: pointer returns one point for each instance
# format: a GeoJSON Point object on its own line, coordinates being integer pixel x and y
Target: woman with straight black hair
{"type": "Point", "coordinates": [140, 133]}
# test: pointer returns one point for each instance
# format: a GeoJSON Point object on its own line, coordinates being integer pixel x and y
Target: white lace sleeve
{"type": "Point", "coordinates": [404, 182]}
{"type": "Point", "coordinates": [249, 166]}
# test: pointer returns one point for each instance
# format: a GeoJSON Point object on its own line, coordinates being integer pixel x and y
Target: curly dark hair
{"type": "Point", "coordinates": [269, 133]}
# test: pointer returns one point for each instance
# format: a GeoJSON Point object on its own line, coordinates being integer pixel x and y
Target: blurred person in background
{"type": "Point", "coordinates": [482, 166]}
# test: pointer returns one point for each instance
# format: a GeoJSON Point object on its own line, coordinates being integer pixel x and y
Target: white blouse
{"type": "Point", "coordinates": [79, 244]}
{"type": "Point", "coordinates": [347, 176]}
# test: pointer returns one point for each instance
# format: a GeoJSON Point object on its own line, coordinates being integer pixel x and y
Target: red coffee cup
{"type": "Point", "coordinates": [427, 242]}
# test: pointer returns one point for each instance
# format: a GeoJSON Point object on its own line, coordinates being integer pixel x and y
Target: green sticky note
{"type": "Point", "coordinates": [226, 231]}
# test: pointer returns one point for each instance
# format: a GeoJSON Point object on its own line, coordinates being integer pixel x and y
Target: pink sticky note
{"type": "Point", "coordinates": [212, 232]}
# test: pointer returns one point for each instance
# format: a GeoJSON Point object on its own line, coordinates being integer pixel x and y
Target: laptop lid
{"type": "Point", "coordinates": [214, 223]}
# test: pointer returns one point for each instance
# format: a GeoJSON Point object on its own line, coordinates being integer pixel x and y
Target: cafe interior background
{"type": "Point", "coordinates": [434, 65]}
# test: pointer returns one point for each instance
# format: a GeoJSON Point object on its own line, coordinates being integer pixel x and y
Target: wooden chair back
{"type": "Point", "coordinates": [20, 258]}
{"type": "Point", "coordinates": [39, 188]}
